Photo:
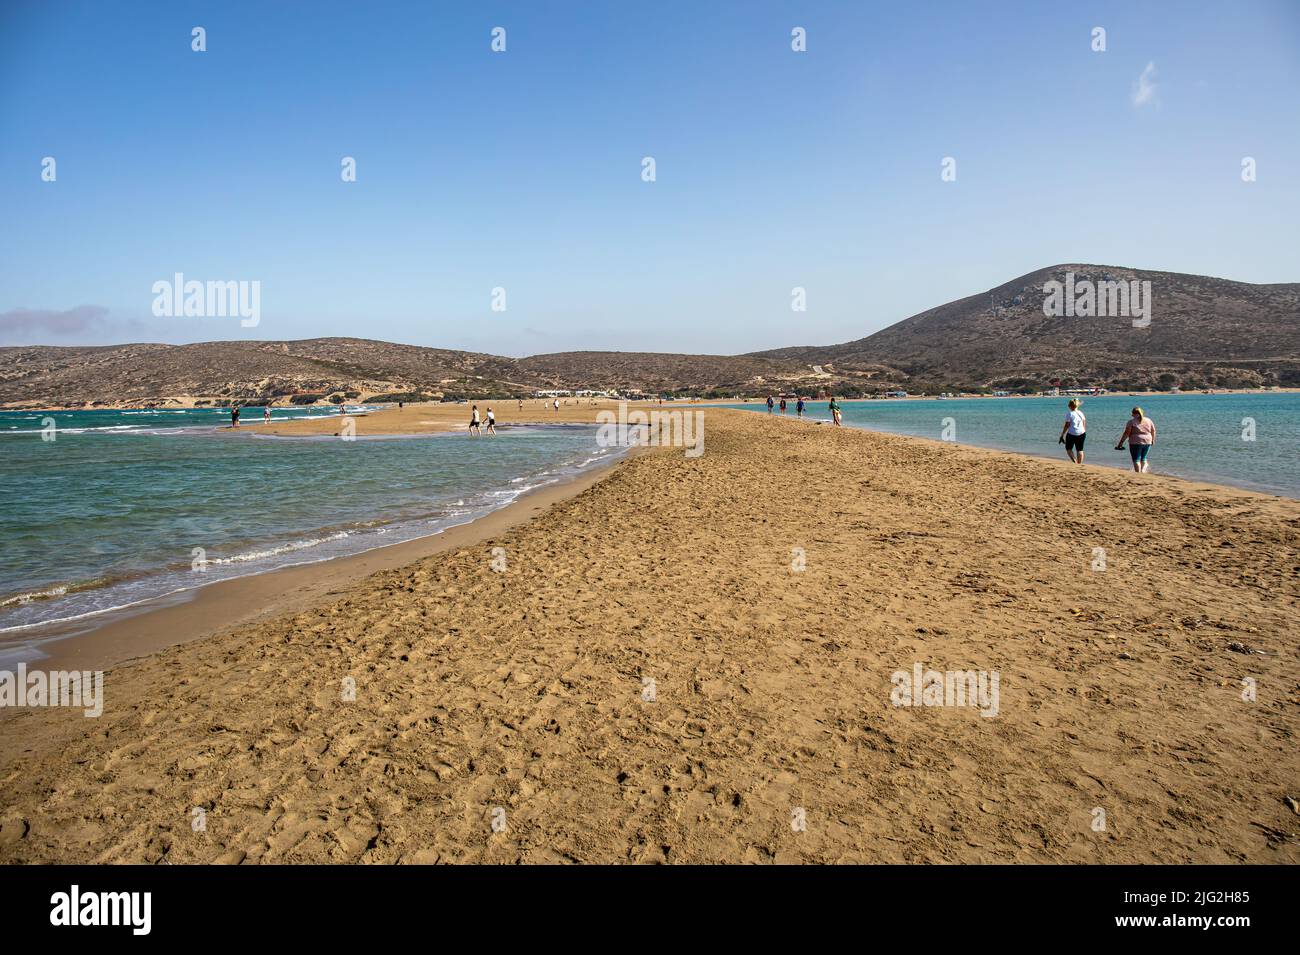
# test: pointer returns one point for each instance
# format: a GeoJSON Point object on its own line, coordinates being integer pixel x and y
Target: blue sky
{"type": "Point", "coordinates": [522, 169]}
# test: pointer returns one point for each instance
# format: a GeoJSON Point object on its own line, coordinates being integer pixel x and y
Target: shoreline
{"type": "Point", "coordinates": [684, 400]}
{"type": "Point", "coordinates": [525, 689]}
{"type": "Point", "coordinates": [129, 633]}
{"type": "Point", "coordinates": [970, 396]}
{"type": "Point", "coordinates": [1198, 483]}
{"type": "Point", "coordinates": [134, 631]}
{"type": "Point", "coordinates": [140, 629]}
{"type": "Point", "coordinates": [46, 639]}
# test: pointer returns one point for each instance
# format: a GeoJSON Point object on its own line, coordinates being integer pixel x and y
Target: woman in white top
{"type": "Point", "coordinates": [491, 422]}
{"type": "Point", "coordinates": [1074, 432]}
{"type": "Point", "coordinates": [473, 421]}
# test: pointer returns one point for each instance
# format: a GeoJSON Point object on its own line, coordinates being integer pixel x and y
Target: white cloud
{"type": "Point", "coordinates": [1144, 88]}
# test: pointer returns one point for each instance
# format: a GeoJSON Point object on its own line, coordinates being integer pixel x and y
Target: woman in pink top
{"type": "Point", "coordinates": [1140, 433]}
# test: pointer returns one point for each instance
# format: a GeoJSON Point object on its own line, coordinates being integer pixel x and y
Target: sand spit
{"type": "Point", "coordinates": [438, 416]}
{"type": "Point", "coordinates": [651, 679]}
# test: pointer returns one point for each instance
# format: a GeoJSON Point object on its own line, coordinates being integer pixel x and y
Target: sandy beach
{"type": "Point", "coordinates": [684, 656]}
{"type": "Point", "coordinates": [434, 417]}
{"type": "Point", "coordinates": [202, 612]}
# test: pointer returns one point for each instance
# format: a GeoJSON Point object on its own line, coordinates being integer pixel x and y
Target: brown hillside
{"type": "Point", "coordinates": [1203, 330]}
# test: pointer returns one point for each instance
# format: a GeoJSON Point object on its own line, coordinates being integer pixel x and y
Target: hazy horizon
{"type": "Point", "coordinates": [522, 169]}
{"type": "Point", "coordinates": [798, 344]}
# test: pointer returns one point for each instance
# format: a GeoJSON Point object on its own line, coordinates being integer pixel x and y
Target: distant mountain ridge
{"type": "Point", "coordinates": [1204, 332]}
{"type": "Point", "coordinates": [332, 369]}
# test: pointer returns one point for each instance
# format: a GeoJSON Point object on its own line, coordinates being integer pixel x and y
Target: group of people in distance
{"type": "Point", "coordinates": [801, 404]}
{"type": "Point", "coordinates": [234, 415]}
{"type": "Point", "coordinates": [490, 424]}
{"type": "Point", "coordinates": [1139, 432]}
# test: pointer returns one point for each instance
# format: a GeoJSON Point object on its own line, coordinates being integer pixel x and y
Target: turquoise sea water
{"type": "Point", "coordinates": [1199, 437]}
{"type": "Point", "coordinates": [110, 512]}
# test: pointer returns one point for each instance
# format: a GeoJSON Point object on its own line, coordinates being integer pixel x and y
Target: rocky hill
{"type": "Point", "coordinates": [330, 369]}
{"type": "Point", "coordinates": [1203, 332]}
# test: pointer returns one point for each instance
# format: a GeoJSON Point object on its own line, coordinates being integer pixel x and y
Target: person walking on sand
{"type": "Point", "coordinates": [799, 407]}
{"type": "Point", "coordinates": [769, 404]}
{"type": "Point", "coordinates": [557, 405]}
{"type": "Point", "coordinates": [835, 412]}
{"type": "Point", "coordinates": [473, 421]}
{"type": "Point", "coordinates": [234, 416]}
{"type": "Point", "coordinates": [491, 422]}
{"type": "Point", "coordinates": [266, 414]}
{"type": "Point", "coordinates": [1140, 432]}
{"type": "Point", "coordinates": [1073, 432]}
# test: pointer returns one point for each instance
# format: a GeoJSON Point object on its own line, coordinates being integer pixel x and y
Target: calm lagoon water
{"type": "Point", "coordinates": [1199, 437]}
{"type": "Point", "coordinates": [110, 512]}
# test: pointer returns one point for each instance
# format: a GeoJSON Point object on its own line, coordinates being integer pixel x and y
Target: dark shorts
{"type": "Point", "coordinates": [1074, 442]}
{"type": "Point", "coordinates": [1138, 452]}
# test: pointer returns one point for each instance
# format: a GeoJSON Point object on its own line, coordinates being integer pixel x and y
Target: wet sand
{"type": "Point", "coordinates": [157, 624]}
{"type": "Point", "coordinates": [688, 655]}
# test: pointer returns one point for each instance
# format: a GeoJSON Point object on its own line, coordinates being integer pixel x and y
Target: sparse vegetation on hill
{"type": "Point", "coordinates": [1204, 333]}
